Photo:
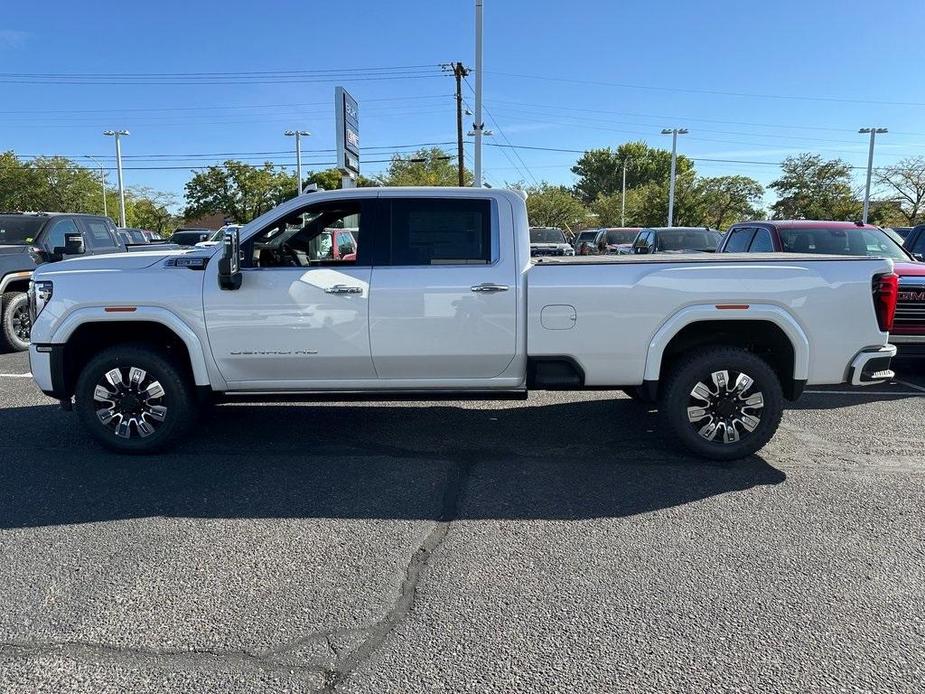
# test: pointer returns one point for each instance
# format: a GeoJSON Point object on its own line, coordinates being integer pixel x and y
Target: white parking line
{"type": "Point", "coordinates": [860, 392]}
{"type": "Point", "coordinates": [15, 375]}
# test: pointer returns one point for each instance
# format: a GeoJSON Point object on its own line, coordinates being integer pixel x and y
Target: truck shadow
{"type": "Point", "coordinates": [563, 461]}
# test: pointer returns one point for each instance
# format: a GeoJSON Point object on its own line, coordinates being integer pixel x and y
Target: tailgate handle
{"type": "Point", "coordinates": [489, 288]}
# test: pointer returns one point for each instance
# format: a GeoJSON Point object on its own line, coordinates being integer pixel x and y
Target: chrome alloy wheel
{"type": "Point", "coordinates": [133, 402]}
{"type": "Point", "coordinates": [726, 410]}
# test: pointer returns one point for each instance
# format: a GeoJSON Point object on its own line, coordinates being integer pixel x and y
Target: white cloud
{"type": "Point", "coordinates": [12, 38]}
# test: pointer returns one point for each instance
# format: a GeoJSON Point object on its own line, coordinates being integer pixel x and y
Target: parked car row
{"type": "Point", "coordinates": [645, 240]}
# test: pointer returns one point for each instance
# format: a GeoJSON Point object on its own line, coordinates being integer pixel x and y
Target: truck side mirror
{"type": "Point", "coordinates": [919, 256]}
{"type": "Point", "coordinates": [229, 267]}
{"type": "Point", "coordinates": [73, 245]}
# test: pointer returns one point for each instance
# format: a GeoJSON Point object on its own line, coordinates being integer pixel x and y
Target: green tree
{"type": "Point", "coordinates": [600, 171]}
{"type": "Point", "coordinates": [426, 167]}
{"type": "Point", "coordinates": [146, 208]}
{"type": "Point", "coordinates": [725, 200]}
{"type": "Point", "coordinates": [813, 188]}
{"type": "Point", "coordinates": [554, 206]}
{"type": "Point", "coordinates": [241, 191]}
{"type": "Point", "coordinates": [330, 179]}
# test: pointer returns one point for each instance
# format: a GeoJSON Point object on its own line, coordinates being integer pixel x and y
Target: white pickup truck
{"type": "Point", "coordinates": [438, 297]}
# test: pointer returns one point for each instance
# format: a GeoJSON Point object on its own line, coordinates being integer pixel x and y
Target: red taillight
{"type": "Point", "coordinates": [886, 289]}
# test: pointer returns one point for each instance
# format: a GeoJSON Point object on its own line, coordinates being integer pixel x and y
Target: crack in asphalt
{"type": "Point", "coordinates": [404, 602]}
{"type": "Point", "coordinates": [200, 660]}
{"type": "Point", "coordinates": [274, 660]}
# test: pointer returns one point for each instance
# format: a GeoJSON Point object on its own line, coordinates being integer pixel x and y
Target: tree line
{"type": "Point", "coordinates": [808, 187]}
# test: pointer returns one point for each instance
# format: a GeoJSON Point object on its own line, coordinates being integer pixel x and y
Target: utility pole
{"type": "Point", "coordinates": [459, 71]}
{"type": "Point", "coordinates": [298, 154]}
{"type": "Point", "coordinates": [102, 181]}
{"type": "Point", "coordinates": [478, 126]}
{"type": "Point", "coordinates": [118, 134]}
{"type": "Point", "coordinates": [674, 132]}
{"type": "Point", "coordinates": [870, 165]}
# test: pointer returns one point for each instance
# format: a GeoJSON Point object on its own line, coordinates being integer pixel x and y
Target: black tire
{"type": "Point", "coordinates": [727, 409]}
{"type": "Point", "coordinates": [15, 322]}
{"type": "Point", "coordinates": [133, 403]}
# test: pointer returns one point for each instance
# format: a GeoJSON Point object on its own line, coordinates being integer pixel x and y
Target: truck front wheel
{"type": "Point", "coordinates": [134, 399]}
{"type": "Point", "coordinates": [724, 403]}
{"type": "Point", "coordinates": [15, 321]}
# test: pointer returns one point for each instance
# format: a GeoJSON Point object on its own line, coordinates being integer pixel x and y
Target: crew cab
{"type": "Point", "coordinates": [442, 299]}
{"type": "Point", "coordinates": [847, 238]}
{"type": "Point", "coordinates": [30, 239]}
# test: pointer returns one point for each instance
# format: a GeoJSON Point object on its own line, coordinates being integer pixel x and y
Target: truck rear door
{"type": "Point", "coordinates": [443, 299]}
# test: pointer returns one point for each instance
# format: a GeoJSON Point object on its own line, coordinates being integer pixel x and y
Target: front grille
{"type": "Point", "coordinates": [910, 310]}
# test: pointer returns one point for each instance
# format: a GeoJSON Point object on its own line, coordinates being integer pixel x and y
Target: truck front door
{"type": "Point", "coordinates": [443, 298]}
{"type": "Point", "coordinates": [301, 314]}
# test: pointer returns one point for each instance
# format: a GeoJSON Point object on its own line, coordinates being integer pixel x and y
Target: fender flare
{"type": "Point", "coordinates": [7, 280]}
{"type": "Point", "coordinates": [151, 314]}
{"type": "Point", "coordinates": [755, 312]}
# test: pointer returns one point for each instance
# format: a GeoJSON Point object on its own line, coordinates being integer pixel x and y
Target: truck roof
{"type": "Point", "coordinates": [809, 224]}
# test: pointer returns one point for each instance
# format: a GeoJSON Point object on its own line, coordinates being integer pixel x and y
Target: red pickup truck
{"type": "Point", "coordinates": [844, 238]}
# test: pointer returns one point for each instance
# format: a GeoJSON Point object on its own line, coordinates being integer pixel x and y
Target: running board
{"type": "Point", "coordinates": [370, 396]}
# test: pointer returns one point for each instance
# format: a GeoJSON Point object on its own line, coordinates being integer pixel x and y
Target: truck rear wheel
{"type": "Point", "coordinates": [15, 321]}
{"type": "Point", "coordinates": [133, 399]}
{"type": "Point", "coordinates": [724, 403]}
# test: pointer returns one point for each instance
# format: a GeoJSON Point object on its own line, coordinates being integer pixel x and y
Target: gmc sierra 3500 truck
{"type": "Point", "coordinates": [442, 299]}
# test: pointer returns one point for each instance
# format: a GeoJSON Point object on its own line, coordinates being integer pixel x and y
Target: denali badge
{"type": "Point", "coordinates": [271, 353]}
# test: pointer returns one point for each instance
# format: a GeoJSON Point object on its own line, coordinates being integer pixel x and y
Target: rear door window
{"type": "Point", "coordinates": [440, 232]}
{"type": "Point", "coordinates": [102, 234]}
{"type": "Point", "coordinates": [739, 240]}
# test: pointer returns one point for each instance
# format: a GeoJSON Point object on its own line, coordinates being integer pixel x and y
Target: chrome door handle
{"type": "Point", "coordinates": [489, 288]}
{"type": "Point", "coordinates": [343, 289]}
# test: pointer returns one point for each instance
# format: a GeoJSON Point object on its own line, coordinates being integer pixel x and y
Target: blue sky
{"type": "Point", "coordinates": [753, 82]}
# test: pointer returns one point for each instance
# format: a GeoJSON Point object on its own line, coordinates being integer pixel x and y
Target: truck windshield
{"type": "Point", "coordinates": [19, 230]}
{"type": "Point", "coordinates": [546, 236]}
{"type": "Point", "coordinates": [859, 241]}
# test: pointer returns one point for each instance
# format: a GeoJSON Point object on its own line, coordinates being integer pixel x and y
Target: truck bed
{"type": "Point", "coordinates": [789, 258]}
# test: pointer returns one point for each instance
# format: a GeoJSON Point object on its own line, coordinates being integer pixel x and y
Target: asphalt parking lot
{"type": "Point", "coordinates": [555, 545]}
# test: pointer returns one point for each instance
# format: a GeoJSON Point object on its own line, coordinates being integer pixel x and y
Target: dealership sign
{"type": "Point", "coordinates": [348, 132]}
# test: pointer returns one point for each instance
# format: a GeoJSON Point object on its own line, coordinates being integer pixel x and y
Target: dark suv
{"type": "Point", "coordinates": [28, 240]}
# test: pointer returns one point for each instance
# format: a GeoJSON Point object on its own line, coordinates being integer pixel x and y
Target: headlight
{"type": "Point", "coordinates": [39, 295]}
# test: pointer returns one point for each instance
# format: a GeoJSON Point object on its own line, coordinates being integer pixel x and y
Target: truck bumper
{"type": "Point", "coordinates": [872, 366]}
{"type": "Point", "coordinates": [46, 362]}
{"type": "Point", "coordinates": [909, 345]}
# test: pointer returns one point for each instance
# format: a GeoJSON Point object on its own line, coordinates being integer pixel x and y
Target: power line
{"type": "Point", "coordinates": [214, 108]}
{"type": "Point", "coordinates": [220, 73]}
{"type": "Point", "coordinates": [712, 92]}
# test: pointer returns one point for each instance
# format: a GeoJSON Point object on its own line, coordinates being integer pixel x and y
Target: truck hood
{"type": "Point", "coordinates": [114, 261]}
{"type": "Point", "coordinates": [910, 269]}
{"type": "Point", "coordinates": [14, 250]}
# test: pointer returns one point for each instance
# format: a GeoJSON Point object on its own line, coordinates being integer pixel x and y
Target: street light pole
{"type": "Point", "coordinates": [478, 126]}
{"type": "Point", "coordinates": [102, 182]}
{"type": "Point", "coordinates": [674, 132]}
{"type": "Point", "coordinates": [623, 198]}
{"type": "Point", "coordinates": [117, 134]}
{"type": "Point", "coordinates": [870, 165]}
{"type": "Point", "coordinates": [298, 154]}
